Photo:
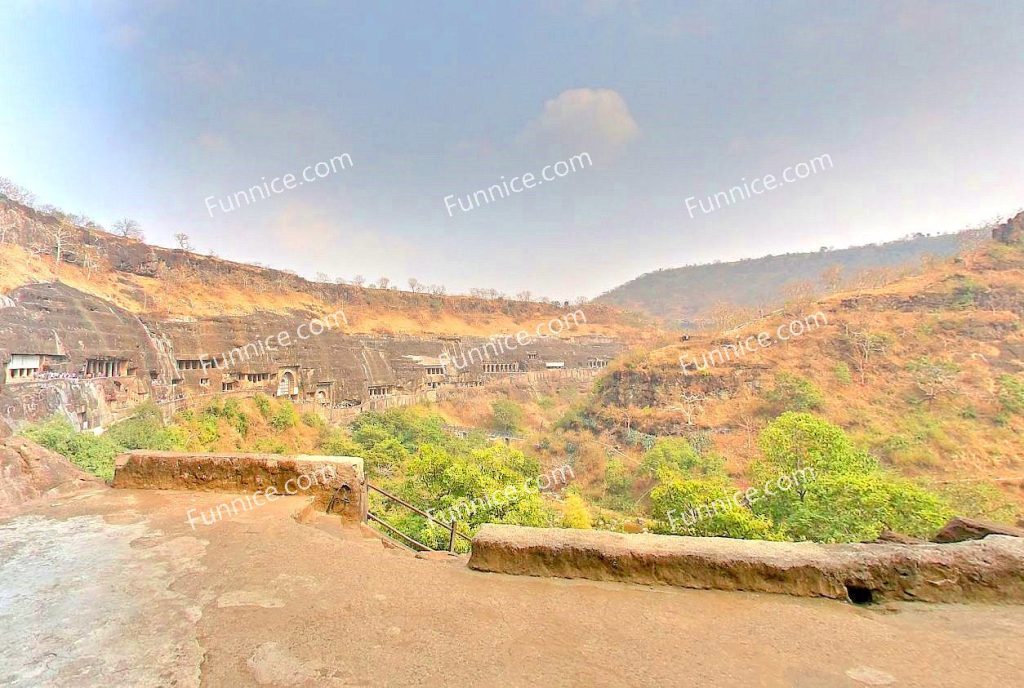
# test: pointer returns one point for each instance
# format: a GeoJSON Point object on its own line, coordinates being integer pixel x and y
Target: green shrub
{"type": "Point", "coordinates": [677, 454]}
{"type": "Point", "coordinates": [285, 417]}
{"type": "Point", "coordinates": [508, 416]}
{"type": "Point", "coordinates": [618, 484]}
{"type": "Point", "coordinates": [1011, 394]}
{"type": "Point", "coordinates": [262, 402]}
{"type": "Point", "coordinates": [965, 294]}
{"type": "Point", "coordinates": [314, 420]}
{"type": "Point", "coordinates": [843, 373]}
{"type": "Point", "coordinates": [978, 500]}
{"type": "Point", "coordinates": [575, 513]}
{"type": "Point", "coordinates": [145, 430]}
{"type": "Point", "coordinates": [92, 453]}
{"type": "Point", "coordinates": [793, 393]}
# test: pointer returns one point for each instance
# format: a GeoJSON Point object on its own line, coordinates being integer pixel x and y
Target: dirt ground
{"type": "Point", "coordinates": [113, 587]}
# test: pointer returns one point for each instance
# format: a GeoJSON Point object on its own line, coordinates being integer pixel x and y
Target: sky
{"type": "Point", "coordinates": [155, 110]}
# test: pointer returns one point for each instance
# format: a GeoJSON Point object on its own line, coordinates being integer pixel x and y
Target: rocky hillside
{"type": "Point", "coordinates": [692, 295]}
{"type": "Point", "coordinates": [92, 325]}
{"type": "Point", "coordinates": [38, 247]}
{"type": "Point", "coordinates": [927, 373]}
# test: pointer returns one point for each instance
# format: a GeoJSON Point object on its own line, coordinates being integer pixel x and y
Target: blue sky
{"type": "Point", "coordinates": [144, 109]}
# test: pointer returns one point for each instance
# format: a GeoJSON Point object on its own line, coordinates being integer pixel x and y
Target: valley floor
{"type": "Point", "coordinates": [113, 587]}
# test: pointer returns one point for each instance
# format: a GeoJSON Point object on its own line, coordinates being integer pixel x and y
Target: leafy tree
{"type": "Point", "coordinates": [797, 441]}
{"type": "Point", "coordinates": [145, 430]}
{"type": "Point", "coordinates": [677, 454]}
{"type": "Point", "coordinates": [841, 494]}
{"type": "Point", "coordinates": [335, 442]}
{"type": "Point", "coordinates": [706, 508]}
{"type": "Point", "coordinates": [857, 507]}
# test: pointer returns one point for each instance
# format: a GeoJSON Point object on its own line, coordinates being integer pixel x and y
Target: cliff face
{"type": "Point", "coordinates": [93, 324]}
{"type": "Point", "coordinates": [64, 350]}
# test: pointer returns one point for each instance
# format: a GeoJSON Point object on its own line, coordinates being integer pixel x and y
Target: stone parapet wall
{"type": "Point", "coordinates": [321, 477]}
{"type": "Point", "coordinates": [988, 570]}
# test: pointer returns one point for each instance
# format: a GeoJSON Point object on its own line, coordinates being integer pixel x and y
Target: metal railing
{"type": "Point", "coordinates": [452, 528]}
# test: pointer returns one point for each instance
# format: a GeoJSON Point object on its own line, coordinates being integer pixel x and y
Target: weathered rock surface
{"type": "Point", "coordinates": [29, 472]}
{"type": "Point", "coordinates": [960, 529]}
{"type": "Point", "coordinates": [324, 478]}
{"type": "Point", "coordinates": [1011, 231]}
{"type": "Point", "coordinates": [990, 570]}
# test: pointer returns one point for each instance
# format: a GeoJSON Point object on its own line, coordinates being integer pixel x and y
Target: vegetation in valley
{"type": "Point", "coordinates": [905, 409]}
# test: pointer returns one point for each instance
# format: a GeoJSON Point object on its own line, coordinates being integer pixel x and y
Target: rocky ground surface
{"type": "Point", "coordinates": [113, 587]}
{"type": "Point", "coordinates": [29, 472]}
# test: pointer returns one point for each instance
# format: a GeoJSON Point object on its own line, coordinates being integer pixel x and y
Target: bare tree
{"type": "Point", "coordinates": [183, 241]}
{"type": "Point", "coordinates": [16, 193]}
{"type": "Point", "coordinates": [832, 277]}
{"type": "Point", "coordinates": [414, 284]}
{"type": "Point", "coordinates": [89, 259]}
{"type": "Point", "coordinates": [128, 228]}
{"type": "Point", "coordinates": [59, 234]}
{"type": "Point", "coordinates": [359, 280]}
{"type": "Point", "coordinates": [323, 278]}
{"type": "Point", "coordinates": [934, 377]}
{"type": "Point", "coordinates": [525, 295]}
{"type": "Point", "coordinates": [865, 346]}
{"type": "Point", "coordinates": [383, 283]}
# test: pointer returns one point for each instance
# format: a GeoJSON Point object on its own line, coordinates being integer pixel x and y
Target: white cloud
{"type": "Point", "coordinates": [586, 118]}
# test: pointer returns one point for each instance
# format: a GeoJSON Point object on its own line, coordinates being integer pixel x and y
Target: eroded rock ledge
{"type": "Point", "coordinates": [989, 570]}
{"type": "Point", "coordinates": [335, 481]}
{"type": "Point", "coordinates": [29, 472]}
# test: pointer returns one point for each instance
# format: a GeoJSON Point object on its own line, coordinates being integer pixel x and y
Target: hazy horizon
{"type": "Point", "coordinates": [149, 110]}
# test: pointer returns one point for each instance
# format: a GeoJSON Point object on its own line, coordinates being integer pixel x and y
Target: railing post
{"type": "Point", "coordinates": [451, 537]}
